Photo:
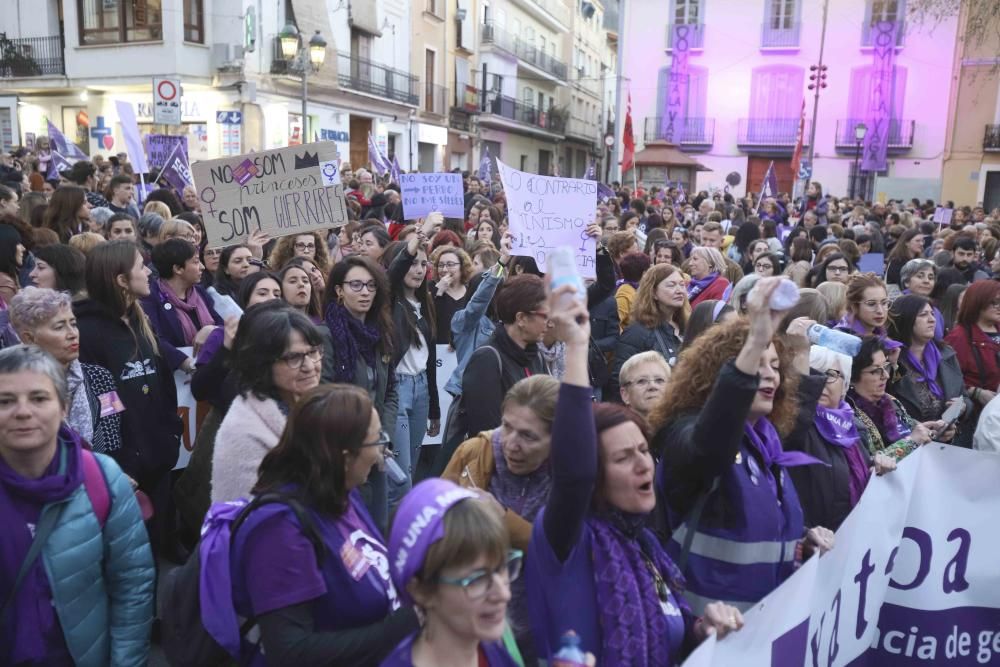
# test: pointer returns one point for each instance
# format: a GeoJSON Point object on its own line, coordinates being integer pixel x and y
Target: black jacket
{"type": "Point", "coordinates": [949, 378]}
{"type": "Point", "coordinates": [640, 338]}
{"type": "Point", "coordinates": [150, 425]}
{"type": "Point", "coordinates": [400, 265]}
{"type": "Point", "coordinates": [604, 326]}
{"type": "Point", "coordinates": [487, 378]}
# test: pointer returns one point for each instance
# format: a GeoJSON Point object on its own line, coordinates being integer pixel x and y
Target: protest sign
{"type": "Point", "coordinates": [911, 580]}
{"type": "Point", "coordinates": [423, 193]}
{"type": "Point", "coordinates": [872, 262]}
{"type": "Point", "coordinates": [191, 412]}
{"type": "Point", "coordinates": [942, 215]}
{"type": "Point", "coordinates": [160, 146]}
{"type": "Point", "coordinates": [547, 212]}
{"type": "Point", "coordinates": [292, 190]}
{"type": "Point", "coordinates": [447, 360]}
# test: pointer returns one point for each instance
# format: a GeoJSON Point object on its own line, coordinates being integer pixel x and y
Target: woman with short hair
{"type": "Point", "coordinates": [706, 266]}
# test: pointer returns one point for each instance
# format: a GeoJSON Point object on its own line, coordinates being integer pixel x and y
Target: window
{"type": "Point", "coordinates": [781, 14]}
{"type": "Point", "coordinates": [361, 45]}
{"type": "Point", "coordinates": [686, 11]}
{"type": "Point", "coordinates": [776, 92]}
{"type": "Point", "coordinates": [464, 37]}
{"type": "Point", "coordinates": [528, 96]}
{"type": "Point", "coordinates": [893, 11]}
{"type": "Point", "coordinates": [432, 7]}
{"type": "Point", "coordinates": [858, 100]}
{"type": "Point", "coordinates": [116, 21]}
{"type": "Point", "coordinates": [695, 125]}
{"type": "Point", "coordinates": [194, 21]}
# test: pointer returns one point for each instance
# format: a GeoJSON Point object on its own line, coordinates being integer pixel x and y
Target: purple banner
{"type": "Point", "coordinates": [176, 170]}
{"type": "Point", "coordinates": [675, 112]}
{"type": "Point", "coordinates": [880, 96]}
{"type": "Point", "coordinates": [160, 146]}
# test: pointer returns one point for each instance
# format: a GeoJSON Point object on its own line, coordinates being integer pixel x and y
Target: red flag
{"type": "Point", "coordinates": [797, 153]}
{"type": "Point", "coordinates": [628, 141]}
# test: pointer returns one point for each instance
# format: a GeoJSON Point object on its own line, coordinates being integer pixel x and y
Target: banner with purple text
{"type": "Point", "coordinates": [880, 95]}
{"type": "Point", "coordinates": [911, 580]}
{"type": "Point", "coordinates": [675, 110]}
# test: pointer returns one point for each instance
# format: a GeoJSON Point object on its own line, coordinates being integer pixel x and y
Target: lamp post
{"type": "Point", "coordinates": [302, 58]}
{"type": "Point", "coordinates": [860, 130]}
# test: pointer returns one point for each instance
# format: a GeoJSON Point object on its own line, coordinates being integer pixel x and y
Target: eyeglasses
{"type": "Point", "coordinates": [478, 584]}
{"type": "Point", "coordinates": [449, 265]}
{"type": "Point", "coordinates": [885, 370]}
{"type": "Point", "coordinates": [763, 265]}
{"type": "Point", "coordinates": [877, 305]}
{"type": "Point", "coordinates": [832, 375]}
{"type": "Point", "coordinates": [305, 246]}
{"type": "Point", "coordinates": [358, 285]}
{"type": "Point", "coordinates": [296, 359]}
{"type": "Point", "coordinates": [644, 382]}
{"type": "Point", "coordinates": [995, 304]}
{"type": "Point", "coordinates": [383, 440]}
{"type": "Point", "coordinates": [836, 270]}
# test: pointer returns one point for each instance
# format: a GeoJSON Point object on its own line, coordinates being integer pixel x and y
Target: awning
{"type": "Point", "coordinates": [663, 153]}
{"type": "Point", "coordinates": [364, 16]}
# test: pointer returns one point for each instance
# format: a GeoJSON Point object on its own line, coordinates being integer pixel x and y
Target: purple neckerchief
{"type": "Point", "coordinates": [525, 495]}
{"type": "Point", "coordinates": [215, 580]}
{"type": "Point", "coordinates": [849, 323]}
{"type": "Point", "coordinates": [765, 439]}
{"type": "Point", "coordinates": [633, 626]}
{"type": "Point", "coordinates": [926, 370]}
{"type": "Point", "coordinates": [622, 281]}
{"type": "Point", "coordinates": [698, 285]}
{"type": "Point", "coordinates": [836, 426]}
{"type": "Point", "coordinates": [883, 413]}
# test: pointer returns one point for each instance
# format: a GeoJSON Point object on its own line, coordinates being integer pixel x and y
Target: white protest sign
{"type": "Point", "coordinates": [911, 580]}
{"type": "Point", "coordinates": [547, 212]}
{"type": "Point", "coordinates": [424, 193]}
{"type": "Point", "coordinates": [942, 215]}
{"type": "Point", "coordinates": [292, 190]}
{"type": "Point", "coordinates": [191, 412]}
{"type": "Point", "coordinates": [447, 360]}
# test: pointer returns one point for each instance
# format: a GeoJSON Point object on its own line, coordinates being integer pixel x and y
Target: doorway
{"type": "Point", "coordinates": [360, 128]}
{"type": "Point", "coordinates": [757, 169]}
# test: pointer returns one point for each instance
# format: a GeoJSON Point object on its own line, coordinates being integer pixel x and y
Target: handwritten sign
{"type": "Point", "coordinates": [280, 192]}
{"type": "Point", "coordinates": [160, 146]}
{"type": "Point", "coordinates": [942, 215]}
{"type": "Point", "coordinates": [424, 193]}
{"type": "Point", "coordinates": [546, 212]}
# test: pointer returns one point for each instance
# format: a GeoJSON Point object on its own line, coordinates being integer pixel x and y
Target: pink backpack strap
{"type": "Point", "coordinates": [96, 486]}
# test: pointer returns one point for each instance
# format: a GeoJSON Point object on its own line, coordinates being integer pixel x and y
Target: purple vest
{"type": "Point", "coordinates": [745, 542]}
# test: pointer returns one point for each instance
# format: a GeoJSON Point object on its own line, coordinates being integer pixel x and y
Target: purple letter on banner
{"type": "Point", "coordinates": [880, 96]}
{"type": "Point", "coordinates": [673, 120]}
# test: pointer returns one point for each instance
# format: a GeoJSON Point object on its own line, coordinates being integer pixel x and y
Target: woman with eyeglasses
{"type": "Point", "coordinates": [311, 246]}
{"type": "Point", "coordinates": [332, 602]}
{"type": "Point", "coordinates": [453, 269]}
{"type": "Point", "coordinates": [834, 268]}
{"type": "Point", "coordinates": [210, 260]}
{"type": "Point", "coordinates": [883, 423]}
{"type": "Point", "coordinates": [767, 264]}
{"type": "Point", "coordinates": [358, 314]}
{"type": "Point", "coordinates": [829, 492]}
{"type": "Point", "coordinates": [868, 311]}
{"type": "Point", "coordinates": [976, 339]}
{"type": "Point", "coordinates": [276, 357]}
{"type": "Point", "coordinates": [451, 559]}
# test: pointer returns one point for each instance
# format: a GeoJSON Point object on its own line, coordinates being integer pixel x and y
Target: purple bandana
{"type": "Point", "coordinates": [622, 281]}
{"type": "Point", "coordinates": [765, 439]}
{"type": "Point", "coordinates": [926, 370]}
{"type": "Point", "coordinates": [836, 426]}
{"type": "Point", "coordinates": [849, 323]}
{"type": "Point", "coordinates": [419, 523]}
{"type": "Point", "coordinates": [698, 285]}
{"type": "Point", "coordinates": [883, 413]}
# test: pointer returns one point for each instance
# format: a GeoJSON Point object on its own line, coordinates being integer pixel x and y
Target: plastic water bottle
{"type": "Point", "coordinates": [562, 271]}
{"type": "Point", "coordinates": [570, 654]}
{"type": "Point", "coordinates": [834, 340]}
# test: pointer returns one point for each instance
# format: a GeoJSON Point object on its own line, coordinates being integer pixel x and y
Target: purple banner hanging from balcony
{"type": "Point", "coordinates": [673, 120]}
{"type": "Point", "coordinates": [880, 96]}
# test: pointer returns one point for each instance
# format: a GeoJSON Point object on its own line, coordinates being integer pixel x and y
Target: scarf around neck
{"type": "Point", "coordinates": [925, 370]}
{"type": "Point", "coordinates": [191, 303]}
{"type": "Point", "coordinates": [765, 439]}
{"type": "Point", "coordinates": [80, 417]}
{"type": "Point", "coordinates": [354, 338]}
{"type": "Point", "coordinates": [698, 285]}
{"type": "Point", "coordinates": [849, 323]}
{"type": "Point", "coordinates": [883, 414]}
{"type": "Point", "coordinates": [525, 495]}
{"type": "Point", "coordinates": [836, 426]}
{"type": "Point", "coordinates": [633, 625]}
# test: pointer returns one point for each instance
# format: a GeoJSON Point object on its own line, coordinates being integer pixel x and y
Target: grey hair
{"type": "Point", "coordinates": [149, 225]}
{"type": "Point", "coordinates": [914, 266]}
{"type": "Point", "coordinates": [19, 358]}
{"type": "Point", "coordinates": [33, 306]}
{"type": "Point", "coordinates": [741, 290]}
{"type": "Point", "coordinates": [822, 360]}
{"type": "Point", "coordinates": [101, 215]}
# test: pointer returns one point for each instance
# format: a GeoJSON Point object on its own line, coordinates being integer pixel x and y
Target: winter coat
{"type": "Point", "coordinates": [250, 429]}
{"type": "Point", "coordinates": [163, 318]}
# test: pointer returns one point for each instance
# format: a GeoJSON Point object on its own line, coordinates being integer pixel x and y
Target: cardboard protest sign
{"type": "Point", "coordinates": [160, 146]}
{"type": "Point", "coordinates": [942, 215]}
{"type": "Point", "coordinates": [546, 212]}
{"type": "Point", "coordinates": [424, 193]}
{"type": "Point", "coordinates": [291, 190]}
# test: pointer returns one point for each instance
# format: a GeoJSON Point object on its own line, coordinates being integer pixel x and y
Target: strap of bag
{"type": "Point", "coordinates": [692, 524]}
{"type": "Point", "coordinates": [96, 486]}
{"type": "Point", "coordinates": [499, 360]}
{"type": "Point", "coordinates": [43, 529]}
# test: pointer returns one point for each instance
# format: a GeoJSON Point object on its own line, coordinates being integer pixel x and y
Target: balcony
{"type": "Point", "coordinates": [900, 135]}
{"type": "Point", "coordinates": [464, 104]}
{"type": "Point", "coordinates": [528, 54]}
{"type": "Point", "coordinates": [501, 106]}
{"type": "Point", "coordinates": [773, 135]}
{"type": "Point", "coordinates": [868, 33]}
{"type": "Point", "coordinates": [31, 56]}
{"type": "Point", "coordinates": [693, 133]}
{"type": "Point", "coordinates": [435, 99]}
{"type": "Point", "coordinates": [696, 36]}
{"type": "Point", "coordinates": [991, 139]}
{"type": "Point", "coordinates": [364, 76]}
{"type": "Point", "coordinates": [551, 12]}
{"type": "Point", "coordinates": [581, 128]}
{"type": "Point", "coordinates": [779, 37]}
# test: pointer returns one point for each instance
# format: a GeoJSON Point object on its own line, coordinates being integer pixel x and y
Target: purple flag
{"type": "Point", "coordinates": [394, 170]}
{"type": "Point", "coordinates": [680, 192]}
{"type": "Point", "coordinates": [176, 170]}
{"type": "Point", "coordinates": [605, 193]}
{"type": "Point", "coordinates": [57, 165]}
{"type": "Point", "coordinates": [880, 96]}
{"type": "Point", "coordinates": [379, 164]}
{"type": "Point", "coordinates": [67, 148]}
{"type": "Point", "coordinates": [485, 168]}
{"type": "Point", "coordinates": [591, 173]}
{"type": "Point", "coordinates": [675, 110]}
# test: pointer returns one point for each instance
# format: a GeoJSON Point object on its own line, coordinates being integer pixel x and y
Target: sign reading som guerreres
{"type": "Point", "coordinates": [283, 191]}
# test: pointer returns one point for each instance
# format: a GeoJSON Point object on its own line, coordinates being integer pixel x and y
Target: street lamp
{"type": "Point", "coordinates": [860, 130]}
{"type": "Point", "coordinates": [302, 58]}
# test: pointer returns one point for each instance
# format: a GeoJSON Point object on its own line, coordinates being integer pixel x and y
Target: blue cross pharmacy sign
{"type": "Point", "coordinates": [229, 117]}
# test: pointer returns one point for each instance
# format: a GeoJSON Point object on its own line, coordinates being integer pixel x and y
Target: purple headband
{"type": "Point", "coordinates": [419, 523]}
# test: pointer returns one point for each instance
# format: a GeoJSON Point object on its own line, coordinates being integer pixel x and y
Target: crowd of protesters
{"type": "Point", "coordinates": [625, 450]}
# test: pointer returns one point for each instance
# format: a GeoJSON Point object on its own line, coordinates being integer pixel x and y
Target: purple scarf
{"type": "Point", "coordinates": [926, 370]}
{"type": "Point", "coordinates": [353, 338]}
{"type": "Point", "coordinates": [632, 621]}
{"type": "Point", "coordinates": [622, 281]}
{"type": "Point", "coordinates": [849, 324]}
{"type": "Point", "coordinates": [698, 285]}
{"type": "Point", "coordinates": [836, 426]}
{"type": "Point", "coordinates": [765, 439]}
{"type": "Point", "coordinates": [25, 638]}
{"type": "Point", "coordinates": [525, 495]}
{"type": "Point", "coordinates": [191, 303]}
{"type": "Point", "coordinates": [883, 413]}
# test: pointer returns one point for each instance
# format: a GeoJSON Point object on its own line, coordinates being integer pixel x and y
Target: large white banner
{"type": "Point", "coordinates": [914, 578]}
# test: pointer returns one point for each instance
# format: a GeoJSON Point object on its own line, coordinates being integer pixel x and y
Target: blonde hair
{"type": "Point", "coordinates": [836, 297]}
{"type": "Point", "coordinates": [158, 208]}
{"type": "Point", "coordinates": [86, 241]}
{"type": "Point", "coordinates": [539, 393]}
{"type": "Point", "coordinates": [636, 360]}
{"type": "Point", "coordinates": [175, 229]}
{"type": "Point", "coordinates": [712, 256]}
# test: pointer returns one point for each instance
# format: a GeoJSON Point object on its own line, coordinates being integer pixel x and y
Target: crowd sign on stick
{"type": "Point", "coordinates": [160, 146]}
{"type": "Point", "coordinates": [424, 193]}
{"type": "Point", "coordinates": [284, 191]}
{"type": "Point", "coordinates": [546, 212]}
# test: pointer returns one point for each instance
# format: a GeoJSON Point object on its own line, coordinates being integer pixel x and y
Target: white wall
{"type": "Point", "coordinates": [29, 18]}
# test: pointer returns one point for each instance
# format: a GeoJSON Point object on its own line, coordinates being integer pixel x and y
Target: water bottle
{"type": "Point", "coordinates": [570, 654]}
{"type": "Point", "coordinates": [834, 340]}
{"type": "Point", "coordinates": [562, 271]}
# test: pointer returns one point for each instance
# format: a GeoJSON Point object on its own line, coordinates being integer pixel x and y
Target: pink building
{"type": "Point", "coordinates": [749, 68]}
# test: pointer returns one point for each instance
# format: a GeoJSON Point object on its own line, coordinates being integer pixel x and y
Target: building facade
{"type": "Point", "coordinates": [748, 72]}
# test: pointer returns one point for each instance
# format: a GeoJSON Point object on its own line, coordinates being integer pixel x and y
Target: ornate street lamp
{"type": "Point", "coordinates": [860, 130]}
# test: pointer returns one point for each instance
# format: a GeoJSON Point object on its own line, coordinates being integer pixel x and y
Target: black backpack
{"type": "Point", "coordinates": [186, 642]}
